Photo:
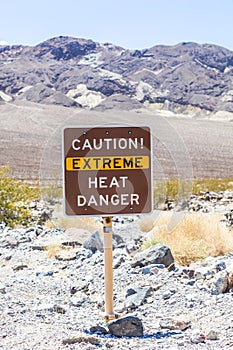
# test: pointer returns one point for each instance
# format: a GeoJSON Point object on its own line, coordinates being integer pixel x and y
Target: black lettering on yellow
{"type": "Point", "coordinates": [106, 161]}
{"type": "Point", "coordinates": [116, 163]}
{"type": "Point", "coordinates": [137, 162]}
{"type": "Point", "coordinates": [75, 163]}
{"type": "Point", "coordinates": [128, 164]}
{"type": "Point", "coordinates": [97, 162]}
{"type": "Point", "coordinates": [86, 161]}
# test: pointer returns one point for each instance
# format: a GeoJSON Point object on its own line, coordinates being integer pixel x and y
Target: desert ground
{"type": "Point", "coordinates": [31, 140]}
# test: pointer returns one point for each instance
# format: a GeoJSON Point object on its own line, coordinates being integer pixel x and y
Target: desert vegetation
{"type": "Point", "coordinates": [195, 237]}
{"type": "Point", "coordinates": [14, 199]}
{"type": "Point", "coordinates": [175, 189]}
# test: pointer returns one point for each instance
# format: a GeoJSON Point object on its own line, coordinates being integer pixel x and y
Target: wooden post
{"type": "Point", "coordinates": [108, 269]}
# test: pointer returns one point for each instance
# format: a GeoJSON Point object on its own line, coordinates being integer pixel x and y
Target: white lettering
{"type": "Point", "coordinates": [134, 198]}
{"type": "Point", "coordinates": [81, 200]}
{"type": "Point", "coordinates": [76, 148]}
{"type": "Point", "coordinates": [122, 143]}
{"type": "Point", "coordinates": [92, 182]}
{"type": "Point", "coordinates": [102, 181]}
{"type": "Point", "coordinates": [124, 199]}
{"type": "Point", "coordinates": [103, 200]}
{"type": "Point", "coordinates": [86, 144]}
{"type": "Point", "coordinates": [93, 201]}
{"type": "Point", "coordinates": [108, 143]}
{"type": "Point", "coordinates": [115, 199]}
{"type": "Point", "coordinates": [97, 145]}
{"type": "Point", "coordinates": [123, 178]}
{"type": "Point", "coordinates": [114, 182]}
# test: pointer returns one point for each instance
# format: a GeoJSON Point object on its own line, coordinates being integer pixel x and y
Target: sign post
{"type": "Point", "coordinates": [107, 171]}
{"type": "Point", "coordinates": [108, 269]}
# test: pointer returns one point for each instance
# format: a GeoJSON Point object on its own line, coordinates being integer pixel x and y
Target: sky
{"type": "Point", "coordinates": [132, 24]}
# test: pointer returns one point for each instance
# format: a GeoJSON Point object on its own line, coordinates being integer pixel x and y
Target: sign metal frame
{"type": "Point", "coordinates": [144, 181]}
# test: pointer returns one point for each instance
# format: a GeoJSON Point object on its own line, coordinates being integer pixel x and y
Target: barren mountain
{"type": "Point", "coordinates": [185, 78]}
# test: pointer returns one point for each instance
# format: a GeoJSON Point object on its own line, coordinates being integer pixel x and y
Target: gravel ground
{"type": "Point", "coordinates": [51, 298]}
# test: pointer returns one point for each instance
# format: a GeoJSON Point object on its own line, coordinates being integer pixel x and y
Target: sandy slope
{"type": "Point", "coordinates": [31, 140]}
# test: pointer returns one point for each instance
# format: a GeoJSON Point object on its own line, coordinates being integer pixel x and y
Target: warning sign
{"type": "Point", "coordinates": [107, 170]}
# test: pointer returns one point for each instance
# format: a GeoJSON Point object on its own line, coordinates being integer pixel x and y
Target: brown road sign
{"type": "Point", "coordinates": [107, 170]}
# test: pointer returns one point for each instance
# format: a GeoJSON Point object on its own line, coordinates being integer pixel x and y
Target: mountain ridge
{"type": "Point", "coordinates": [187, 78]}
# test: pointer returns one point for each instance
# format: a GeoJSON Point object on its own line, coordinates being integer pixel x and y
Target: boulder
{"type": "Point", "coordinates": [220, 283]}
{"type": "Point", "coordinates": [136, 296]}
{"type": "Point", "coordinates": [129, 326]}
{"type": "Point", "coordinates": [157, 254]}
{"type": "Point", "coordinates": [94, 243]}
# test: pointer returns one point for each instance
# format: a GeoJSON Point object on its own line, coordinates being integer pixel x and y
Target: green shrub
{"type": "Point", "coordinates": [14, 197]}
{"type": "Point", "coordinates": [174, 189]}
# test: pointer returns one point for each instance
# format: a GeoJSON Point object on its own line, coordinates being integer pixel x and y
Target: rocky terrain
{"type": "Point", "coordinates": [52, 290]}
{"type": "Point", "coordinates": [185, 78]}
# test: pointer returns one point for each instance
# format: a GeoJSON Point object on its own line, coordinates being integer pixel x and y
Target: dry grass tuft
{"type": "Point", "coordinates": [53, 249]}
{"type": "Point", "coordinates": [195, 237]}
{"type": "Point", "coordinates": [87, 223]}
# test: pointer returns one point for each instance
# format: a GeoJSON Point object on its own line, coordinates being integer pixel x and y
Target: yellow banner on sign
{"type": "Point", "coordinates": [107, 163]}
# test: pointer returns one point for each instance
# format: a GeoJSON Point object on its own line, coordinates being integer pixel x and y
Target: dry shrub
{"type": "Point", "coordinates": [195, 237]}
{"type": "Point", "coordinates": [148, 222]}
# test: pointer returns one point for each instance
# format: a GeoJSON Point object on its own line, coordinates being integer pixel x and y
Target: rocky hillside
{"type": "Point", "coordinates": [185, 78]}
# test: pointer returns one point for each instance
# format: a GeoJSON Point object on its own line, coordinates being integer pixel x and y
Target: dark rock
{"type": "Point", "coordinates": [98, 330]}
{"type": "Point", "coordinates": [19, 266]}
{"type": "Point", "coordinates": [191, 282]}
{"type": "Point", "coordinates": [35, 229]}
{"type": "Point", "coordinates": [94, 243]}
{"type": "Point", "coordinates": [220, 283]}
{"type": "Point", "coordinates": [136, 296]}
{"type": "Point", "coordinates": [59, 309]}
{"type": "Point", "coordinates": [44, 273]}
{"type": "Point", "coordinates": [2, 289]}
{"type": "Point", "coordinates": [9, 242]}
{"type": "Point", "coordinates": [167, 294]}
{"type": "Point", "coordinates": [82, 286]}
{"type": "Point", "coordinates": [157, 254]}
{"type": "Point", "coordinates": [150, 269]}
{"type": "Point", "coordinates": [117, 239]}
{"type": "Point", "coordinates": [118, 261]}
{"type": "Point", "coordinates": [39, 246]}
{"type": "Point", "coordinates": [129, 326]}
{"type": "Point", "coordinates": [64, 48]}
{"type": "Point", "coordinates": [83, 254]}
{"type": "Point", "coordinates": [66, 256]}
{"type": "Point", "coordinates": [219, 266]}
{"type": "Point", "coordinates": [24, 239]}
